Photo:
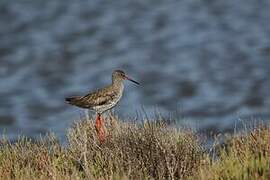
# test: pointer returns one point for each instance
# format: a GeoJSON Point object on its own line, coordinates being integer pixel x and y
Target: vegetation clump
{"type": "Point", "coordinates": [151, 150]}
{"type": "Point", "coordinates": [241, 157]}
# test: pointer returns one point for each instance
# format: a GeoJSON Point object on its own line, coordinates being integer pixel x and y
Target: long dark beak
{"type": "Point", "coordinates": [132, 80]}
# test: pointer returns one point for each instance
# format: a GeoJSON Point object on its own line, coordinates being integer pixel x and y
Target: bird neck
{"type": "Point", "coordinates": [117, 83]}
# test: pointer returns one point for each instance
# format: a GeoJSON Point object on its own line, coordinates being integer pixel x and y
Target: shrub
{"type": "Point", "coordinates": [242, 157]}
{"type": "Point", "coordinates": [150, 150]}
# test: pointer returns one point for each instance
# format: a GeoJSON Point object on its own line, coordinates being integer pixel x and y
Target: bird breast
{"type": "Point", "coordinates": [111, 104]}
{"type": "Point", "coordinates": [118, 95]}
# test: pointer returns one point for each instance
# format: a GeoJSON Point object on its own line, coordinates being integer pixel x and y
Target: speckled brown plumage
{"type": "Point", "coordinates": [97, 98]}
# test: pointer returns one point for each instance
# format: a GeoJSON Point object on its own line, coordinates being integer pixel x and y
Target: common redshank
{"type": "Point", "coordinates": [102, 99]}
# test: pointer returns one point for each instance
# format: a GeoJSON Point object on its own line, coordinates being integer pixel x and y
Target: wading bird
{"type": "Point", "coordinates": [103, 99]}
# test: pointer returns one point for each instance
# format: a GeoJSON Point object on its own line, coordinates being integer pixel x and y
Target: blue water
{"type": "Point", "coordinates": [204, 62]}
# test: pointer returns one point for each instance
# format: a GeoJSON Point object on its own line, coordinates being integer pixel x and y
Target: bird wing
{"type": "Point", "coordinates": [99, 98]}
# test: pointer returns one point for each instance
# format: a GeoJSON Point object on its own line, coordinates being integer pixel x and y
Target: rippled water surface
{"type": "Point", "coordinates": [205, 61]}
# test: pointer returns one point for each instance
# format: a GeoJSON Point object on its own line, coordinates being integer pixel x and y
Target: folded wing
{"type": "Point", "coordinates": [97, 98]}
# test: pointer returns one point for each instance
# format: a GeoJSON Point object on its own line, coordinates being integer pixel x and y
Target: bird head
{"type": "Point", "coordinates": [119, 75]}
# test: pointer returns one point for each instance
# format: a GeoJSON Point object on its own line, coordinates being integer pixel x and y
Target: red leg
{"type": "Point", "coordinates": [99, 128]}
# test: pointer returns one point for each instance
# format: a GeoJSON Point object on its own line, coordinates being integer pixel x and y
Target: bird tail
{"type": "Point", "coordinates": [72, 100]}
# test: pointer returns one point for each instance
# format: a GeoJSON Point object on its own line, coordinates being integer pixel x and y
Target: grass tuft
{"type": "Point", "coordinates": [241, 157]}
{"type": "Point", "coordinates": [150, 150]}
